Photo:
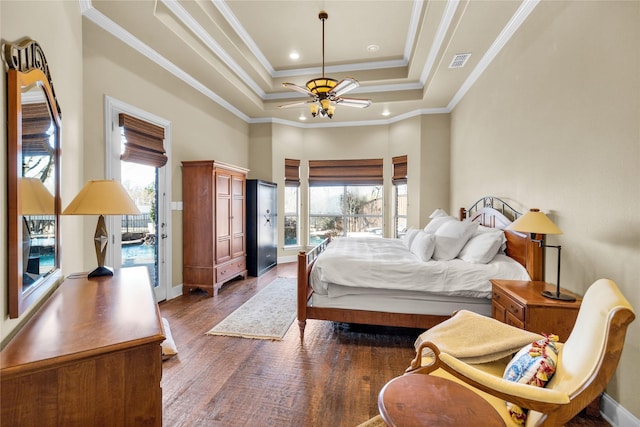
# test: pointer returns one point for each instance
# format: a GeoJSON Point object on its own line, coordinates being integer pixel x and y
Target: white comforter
{"type": "Point", "coordinates": [355, 264]}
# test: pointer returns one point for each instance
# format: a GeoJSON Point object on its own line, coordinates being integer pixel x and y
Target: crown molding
{"type": "Point", "coordinates": [95, 16]}
{"type": "Point", "coordinates": [441, 32]}
{"type": "Point", "coordinates": [509, 30]}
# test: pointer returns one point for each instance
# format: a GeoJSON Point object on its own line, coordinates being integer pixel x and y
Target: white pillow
{"type": "Point", "coordinates": [423, 245]}
{"type": "Point", "coordinates": [407, 239]}
{"type": "Point", "coordinates": [482, 247]}
{"type": "Point", "coordinates": [451, 238]}
{"type": "Point", "coordinates": [485, 229]}
{"type": "Point", "coordinates": [436, 223]}
{"type": "Point", "coordinates": [169, 348]}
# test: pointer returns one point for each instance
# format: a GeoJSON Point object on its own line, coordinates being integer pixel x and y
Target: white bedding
{"type": "Point", "coordinates": [352, 266]}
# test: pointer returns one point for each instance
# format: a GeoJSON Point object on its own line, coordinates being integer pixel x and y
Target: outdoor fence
{"type": "Point", "coordinates": [136, 223]}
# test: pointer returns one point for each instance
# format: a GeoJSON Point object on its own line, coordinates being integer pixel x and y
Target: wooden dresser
{"type": "Point", "coordinates": [213, 224]}
{"type": "Point", "coordinates": [91, 355]}
{"type": "Point", "coordinates": [519, 303]}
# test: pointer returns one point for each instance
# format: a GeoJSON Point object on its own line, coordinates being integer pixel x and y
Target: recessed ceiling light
{"type": "Point", "coordinates": [294, 55]}
{"type": "Point", "coordinates": [302, 117]}
{"type": "Point", "coordinates": [373, 48]}
{"type": "Point", "coordinates": [386, 113]}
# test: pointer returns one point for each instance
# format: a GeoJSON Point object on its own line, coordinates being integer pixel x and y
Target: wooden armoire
{"type": "Point", "coordinates": [213, 224]}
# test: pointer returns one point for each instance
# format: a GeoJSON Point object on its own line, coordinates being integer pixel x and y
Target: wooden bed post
{"type": "Point", "coordinates": [303, 277]}
{"type": "Point", "coordinates": [535, 258]}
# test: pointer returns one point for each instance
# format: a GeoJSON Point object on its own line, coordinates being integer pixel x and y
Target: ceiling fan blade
{"type": "Point", "coordinates": [344, 86]}
{"type": "Point", "coordinates": [295, 104]}
{"type": "Point", "coordinates": [354, 102]}
{"type": "Point", "coordinates": [297, 88]}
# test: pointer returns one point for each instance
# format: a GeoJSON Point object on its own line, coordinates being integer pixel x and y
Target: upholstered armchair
{"type": "Point", "coordinates": [585, 364]}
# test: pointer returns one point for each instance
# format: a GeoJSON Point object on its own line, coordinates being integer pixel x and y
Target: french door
{"type": "Point", "coordinates": [145, 239]}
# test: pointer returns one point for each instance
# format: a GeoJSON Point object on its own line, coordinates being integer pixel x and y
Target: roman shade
{"type": "Point", "coordinates": [345, 172]}
{"type": "Point", "coordinates": [291, 173]}
{"type": "Point", "coordinates": [144, 143]}
{"type": "Point", "coordinates": [399, 170]}
{"type": "Point", "coordinates": [36, 129]}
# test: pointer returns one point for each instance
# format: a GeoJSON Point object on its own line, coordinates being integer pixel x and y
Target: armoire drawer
{"type": "Point", "coordinates": [231, 269]}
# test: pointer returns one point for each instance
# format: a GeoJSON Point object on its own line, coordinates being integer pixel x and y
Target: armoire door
{"type": "Point", "coordinates": [267, 226]}
{"type": "Point", "coordinates": [223, 217]}
{"type": "Point", "coordinates": [237, 216]}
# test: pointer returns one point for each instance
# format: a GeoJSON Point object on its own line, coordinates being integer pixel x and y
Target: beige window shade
{"type": "Point", "coordinates": [399, 170]}
{"type": "Point", "coordinates": [345, 172]}
{"type": "Point", "coordinates": [145, 142]}
{"type": "Point", "coordinates": [292, 172]}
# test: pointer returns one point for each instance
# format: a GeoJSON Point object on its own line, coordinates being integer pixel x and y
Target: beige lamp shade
{"type": "Point", "coordinates": [35, 199]}
{"type": "Point", "coordinates": [102, 197]}
{"type": "Point", "coordinates": [534, 222]}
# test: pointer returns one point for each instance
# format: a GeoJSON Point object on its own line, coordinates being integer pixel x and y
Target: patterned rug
{"type": "Point", "coordinates": [267, 315]}
{"type": "Point", "coordinates": [374, 422]}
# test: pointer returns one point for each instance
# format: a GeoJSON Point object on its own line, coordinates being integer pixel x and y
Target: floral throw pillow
{"type": "Point", "coordinates": [534, 364]}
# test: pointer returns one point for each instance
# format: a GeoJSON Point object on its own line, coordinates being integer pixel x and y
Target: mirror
{"type": "Point", "coordinates": [34, 125]}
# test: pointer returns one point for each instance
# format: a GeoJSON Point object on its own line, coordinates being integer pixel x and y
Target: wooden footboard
{"type": "Point", "coordinates": [305, 264]}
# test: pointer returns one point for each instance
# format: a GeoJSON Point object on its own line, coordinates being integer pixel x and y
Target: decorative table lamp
{"type": "Point", "coordinates": [536, 222]}
{"type": "Point", "coordinates": [102, 197]}
{"type": "Point", "coordinates": [35, 199]}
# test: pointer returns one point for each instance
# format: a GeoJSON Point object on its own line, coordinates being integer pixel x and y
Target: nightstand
{"type": "Point", "coordinates": [520, 304]}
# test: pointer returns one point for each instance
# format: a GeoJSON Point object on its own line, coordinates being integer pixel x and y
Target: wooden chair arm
{"type": "Point", "coordinates": [416, 364]}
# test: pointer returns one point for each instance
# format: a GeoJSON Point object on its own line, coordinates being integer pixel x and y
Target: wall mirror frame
{"type": "Point", "coordinates": [34, 124]}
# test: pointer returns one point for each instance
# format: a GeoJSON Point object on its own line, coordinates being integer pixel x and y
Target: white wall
{"type": "Point", "coordinates": [554, 123]}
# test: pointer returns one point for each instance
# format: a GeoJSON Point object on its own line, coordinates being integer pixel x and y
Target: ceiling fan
{"type": "Point", "coordinates": [325, 93]}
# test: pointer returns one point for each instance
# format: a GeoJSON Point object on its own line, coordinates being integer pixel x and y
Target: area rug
{"type": "Point", "coordinates": [376, 421]}
{"type": "Point", "coordinates": [267, 315]}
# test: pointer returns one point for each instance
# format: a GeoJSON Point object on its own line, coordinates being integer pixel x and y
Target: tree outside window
{"type": "Point", "coordinates": [291, 222]}
{"type": "Point", "coordinates": [345, 211]}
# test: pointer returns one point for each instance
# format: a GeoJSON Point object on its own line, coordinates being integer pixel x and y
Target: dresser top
{"type": "Point", "coordinates": [85, 317]}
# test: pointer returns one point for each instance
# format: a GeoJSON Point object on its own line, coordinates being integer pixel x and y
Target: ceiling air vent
{"type": "Point", "coordinates": [459, 60]}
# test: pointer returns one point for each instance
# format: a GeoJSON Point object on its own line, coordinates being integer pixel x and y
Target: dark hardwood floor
{"type": "Point", "coordinates": [331, 379]}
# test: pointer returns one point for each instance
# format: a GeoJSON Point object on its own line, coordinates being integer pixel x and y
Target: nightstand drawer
{"type": "Point", "coordinates": [510, 305]}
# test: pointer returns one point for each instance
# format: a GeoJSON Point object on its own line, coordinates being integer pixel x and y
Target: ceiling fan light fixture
{"type": "Point", "coordinates": [314, 109]}
{"type": "Point", "coordinates": [325, 92]}
{"type": "Point", "coordinates": [321, 85]}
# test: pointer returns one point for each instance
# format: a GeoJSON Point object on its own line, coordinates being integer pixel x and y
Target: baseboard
{"type": "Point", "coordinates": [616, 414]}
{"type": "Point", "coordinates": [174, 291]}
{"type": "Point", "coordinates": [286, 259]}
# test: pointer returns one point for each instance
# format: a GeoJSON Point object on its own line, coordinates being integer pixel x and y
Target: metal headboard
{"type": "Point", "coordinates": [494, 203]}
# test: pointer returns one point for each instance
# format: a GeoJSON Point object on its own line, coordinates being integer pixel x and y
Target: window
{"type": "Point", "coordinates": [346, 210]}
{"type": "Point", "coordinates": [291, 202]}
{"type": "Point", "coordinates": [400, 190]}
{"type": "Point", "coordinates": [291, 223]}
{"type": "Point", "coordinates": [400, 215]}
{"type": "Point", "coordinates": [345, 198]}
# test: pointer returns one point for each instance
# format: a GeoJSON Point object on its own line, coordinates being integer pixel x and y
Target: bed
{"type": "Point", "coordinates": [347, 279]}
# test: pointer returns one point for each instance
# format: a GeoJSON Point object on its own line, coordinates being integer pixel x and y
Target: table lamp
{"type": "Point", "coordinates": [536, 222]}
{"type": "Point", "coordinates": [102, 197]}
{"type": "Point", "coordinates": [35, 199]}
